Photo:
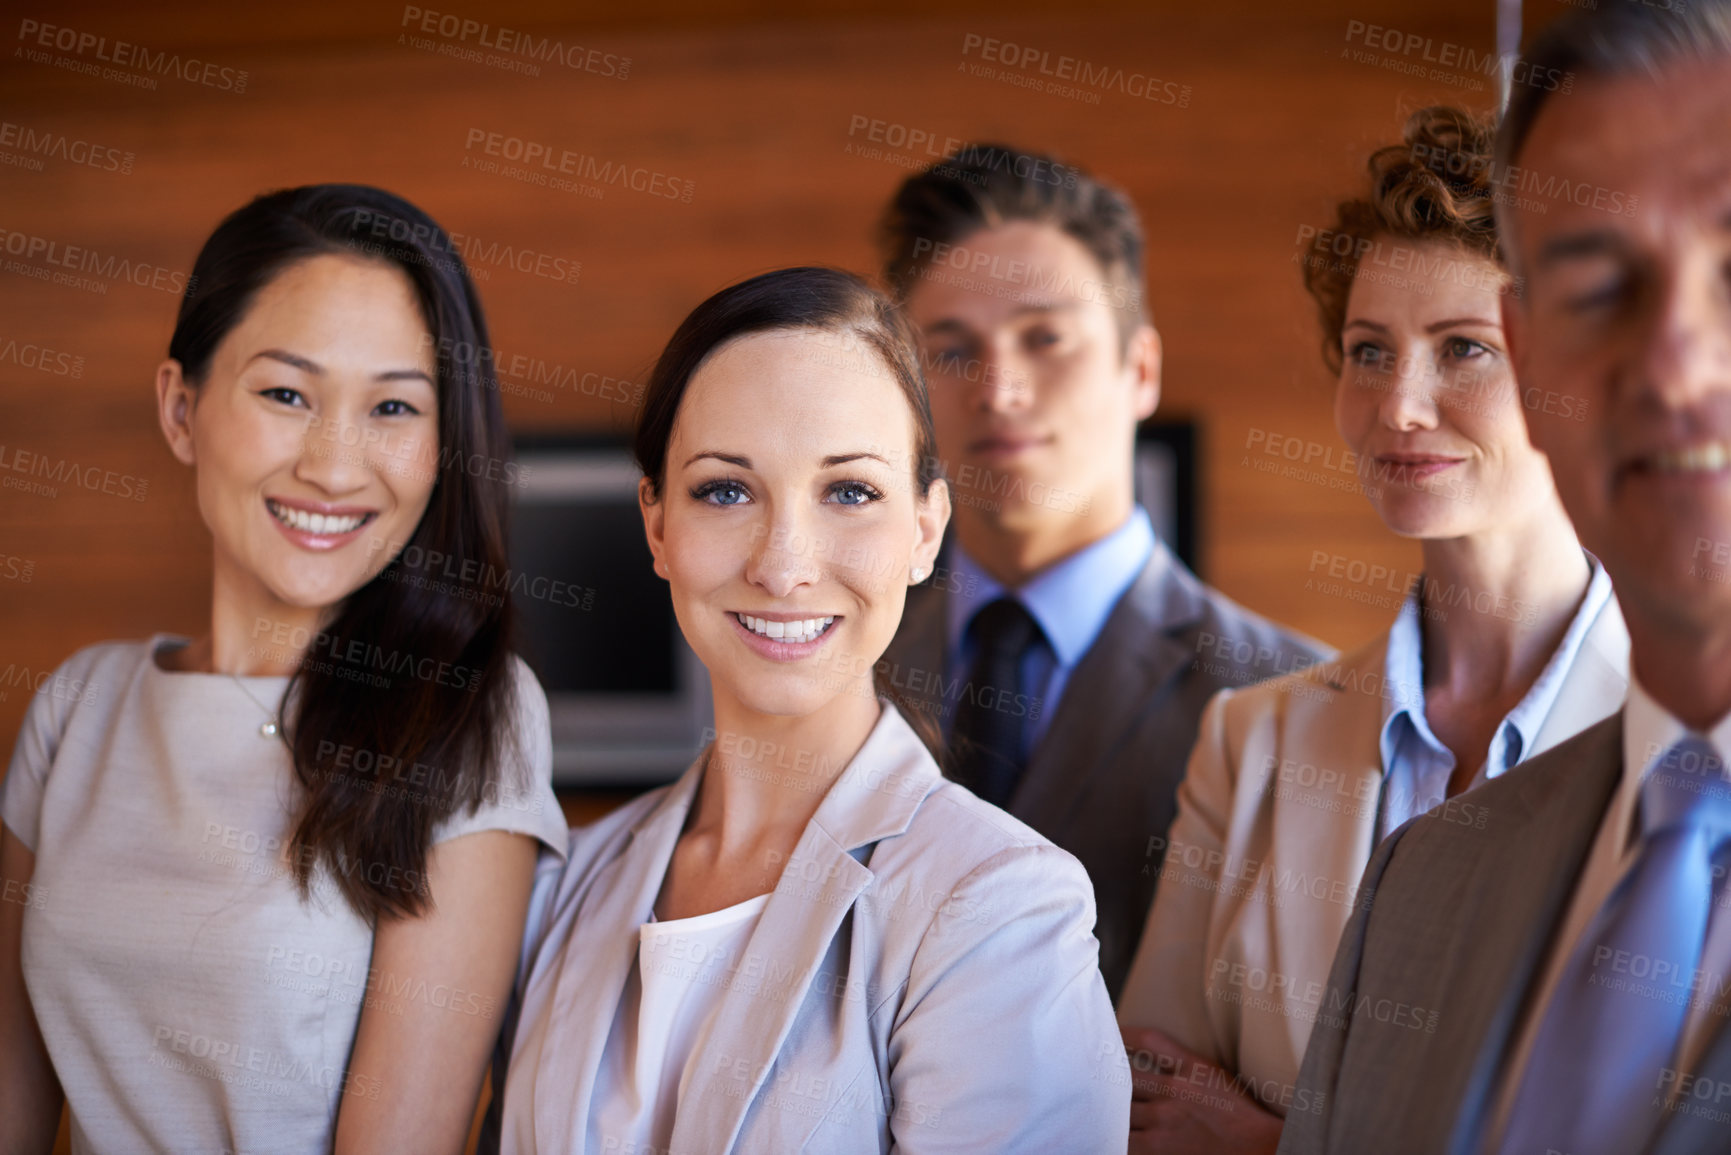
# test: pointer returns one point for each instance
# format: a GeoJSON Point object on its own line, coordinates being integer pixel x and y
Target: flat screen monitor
{"type": "Point", "coordinates": [629, 701]}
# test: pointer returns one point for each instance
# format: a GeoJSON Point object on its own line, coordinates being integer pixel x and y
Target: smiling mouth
{"type": "Point", "coordinates": [794, 632]}
{"type": "Point", "coordinates": [317, 524]}
{"type": "Point", "coordinates": [1706, 457]}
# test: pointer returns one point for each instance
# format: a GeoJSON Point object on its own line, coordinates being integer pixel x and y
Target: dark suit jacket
{"type": "Point", "coordinates": [1102, 780]}
{"type": "Point", "coordinates": [1428, 986]}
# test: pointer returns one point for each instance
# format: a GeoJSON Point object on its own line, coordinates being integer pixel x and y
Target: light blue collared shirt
{"type": "Point", "coordinates": [1070, 599]}
{"type": "Point", "coordinates": [1416, 765]}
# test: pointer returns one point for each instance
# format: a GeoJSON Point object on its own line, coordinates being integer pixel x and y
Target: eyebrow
{"type": "Point", "coordinates": [745, 462]}
{"type": "Point", "coordinates": [305, 365]}
{"type": "Point", "coordinates": [730, 458]}
{"type": "Point", "coordinates": [844, 458]}
{"type": "Point", "coordinates": [1433, 327]}
{"type": "Point", "coordinates": [1574, 246]}
{"type": "Point", "coordinates": [956, 324]}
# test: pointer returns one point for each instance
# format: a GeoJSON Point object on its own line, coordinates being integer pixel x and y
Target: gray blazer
{"type": "Point", "coordinates": [922, 979]}
{"type": "Point", "coordinates": [1425, 998]}
{"type": "Point", "coordinates": [1102, 782]}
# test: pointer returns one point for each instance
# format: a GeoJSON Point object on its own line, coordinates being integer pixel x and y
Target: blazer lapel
{"type": "Point", "coordinates": [1522, 890]}
{"type": "Point", "coordinates": [1137, 652]}
{"type": "Point", "coordinates": [1324, 815]}
{"type": "Point", "coordinates": [875, 797]}
{"type": "Point", "coordinates": [599, 952]}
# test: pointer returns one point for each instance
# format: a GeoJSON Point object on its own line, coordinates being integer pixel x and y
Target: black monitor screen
{"type": "Point", "coordinates": [603, 624]}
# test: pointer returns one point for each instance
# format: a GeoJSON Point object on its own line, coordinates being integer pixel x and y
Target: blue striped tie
{"type": "Point", "coordinates": [1596, 1079]}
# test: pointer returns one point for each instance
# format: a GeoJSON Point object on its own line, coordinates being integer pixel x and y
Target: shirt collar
{"type": "Point", "coordinates": [1403, 674]}
{"type": "Point", "coordinates": [1071, 598]}
{"type": "Point", "coordinates": [1648, 731]}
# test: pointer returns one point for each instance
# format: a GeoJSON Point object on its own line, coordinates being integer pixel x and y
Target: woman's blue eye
{"type": "Point", "coordinates": [854, 493]}
{"type": "Point", "coordinates": [395, 408]}
{"type": "Point", "coordinates": [720, 493]}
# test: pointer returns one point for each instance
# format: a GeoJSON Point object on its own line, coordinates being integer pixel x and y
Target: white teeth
{"type": "Point", "coordinates": [806, 630]}
{"type": "Point", "coordinates": [321, 524]}
{"type": "Point", "coordinates": [1704, 458]}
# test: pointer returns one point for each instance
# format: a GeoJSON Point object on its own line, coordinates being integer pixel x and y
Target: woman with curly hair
{"type": "Point", "coordinates": [1508, 642]}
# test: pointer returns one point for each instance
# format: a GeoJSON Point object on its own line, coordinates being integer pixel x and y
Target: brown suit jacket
{"type": "Point", "coordinates": [1102, 781]}
{"type": "Point", "coordinates": [1426, 996]}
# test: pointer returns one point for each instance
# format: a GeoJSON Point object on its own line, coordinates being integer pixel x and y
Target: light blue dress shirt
{"type": "Point", "coordinates": [1416, 765]}
{"type": "Point", "coordinates": [1070, 599]}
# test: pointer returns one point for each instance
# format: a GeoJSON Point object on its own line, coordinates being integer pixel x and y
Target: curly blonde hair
{"type": "Point", "coordinates": [1435, 186]}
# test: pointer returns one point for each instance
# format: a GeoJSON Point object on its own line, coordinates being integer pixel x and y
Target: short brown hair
{"type": "Point", "coordinates": [1612, 40]}
{"type": "Point", "coordinates": [986, 185]}
{"type": "Point", "coordinates": [1435, 186]}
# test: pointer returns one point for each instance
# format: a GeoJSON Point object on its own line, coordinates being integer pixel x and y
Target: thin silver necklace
{"type": "Point", "coordinates": [267, 729]}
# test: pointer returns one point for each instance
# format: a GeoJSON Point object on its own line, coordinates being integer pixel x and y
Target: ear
{"type": "Point", "coordinates": [654, 524]}
{"type": "Point", "coordinates": [932, 516]}
{"type": "Point", "coordinates": [1143, 358]}
{"type": "Point", "coordinates": [175, 400]}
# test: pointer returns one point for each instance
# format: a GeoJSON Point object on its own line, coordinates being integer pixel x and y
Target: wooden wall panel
{"type": "Point", "coordinates": [753, 105]}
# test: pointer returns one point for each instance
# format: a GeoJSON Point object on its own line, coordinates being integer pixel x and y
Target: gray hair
{"type": "Point", "coordinates": [1619, 38]}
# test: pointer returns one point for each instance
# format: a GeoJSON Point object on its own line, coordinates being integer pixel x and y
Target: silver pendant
{"type": "Point", "coordinates": [268, 729]}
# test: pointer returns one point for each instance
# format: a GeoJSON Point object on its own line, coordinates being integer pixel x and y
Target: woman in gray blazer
{"type": "Point", "coordinates": [812, 941]}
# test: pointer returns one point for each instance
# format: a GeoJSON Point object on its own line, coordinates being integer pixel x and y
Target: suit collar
{"type": "Point", "coordinates": [1139, 649]}
{"type": "Point", "coordinates": [1069, 599]}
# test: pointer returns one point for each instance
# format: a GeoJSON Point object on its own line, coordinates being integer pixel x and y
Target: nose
{"type": "Point", "coordinates": [334, 455]}
{"type": "Point", "coordinates": [999, 380]}
{"type": "Point", "coordinates": [784, 554]}
{"type": "Point", "coordinates": [1409, 400]}
{"type": "Point", "coordinates": [1683, 353]}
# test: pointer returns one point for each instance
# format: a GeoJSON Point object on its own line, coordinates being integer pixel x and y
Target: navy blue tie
{"type": "Point", "coordinates": [986, 739]}
{"type": "Point", "coordinates": [1596, 1079]}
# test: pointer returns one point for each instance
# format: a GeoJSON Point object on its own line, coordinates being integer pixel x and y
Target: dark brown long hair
{"type": "Point", "coordinates": [402, 675]}
{"type": "Point", "coordinates": [808, 297]}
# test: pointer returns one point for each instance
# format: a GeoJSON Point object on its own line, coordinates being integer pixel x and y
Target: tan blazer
{"type": "Point", "coordinates": [1276, 822]}
{"type": "Point", "coordinates": [922, 979]}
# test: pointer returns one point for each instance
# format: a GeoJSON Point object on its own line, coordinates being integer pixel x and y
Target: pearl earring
{"type": "Point", "coordinates": [918, 574]}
